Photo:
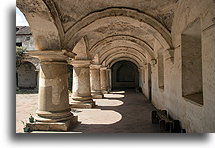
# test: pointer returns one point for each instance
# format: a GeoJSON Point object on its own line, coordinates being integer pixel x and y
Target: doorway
{"type": "Point", "coordinates": [125, 75]}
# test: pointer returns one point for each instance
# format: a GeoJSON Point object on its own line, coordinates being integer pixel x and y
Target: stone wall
{"type": "Point", "coordinates": [26, 40]}
{"type": "Point", "coordinates": [27, 76]}
{"type": "Point", "coordinates": [194, 116]}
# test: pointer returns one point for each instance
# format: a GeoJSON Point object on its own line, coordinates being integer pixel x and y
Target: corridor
{"type": "Point", "coordinates": [119, 112]}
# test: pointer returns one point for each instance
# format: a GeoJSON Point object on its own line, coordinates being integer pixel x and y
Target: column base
{"type": "Point", "coordinates": [97, 96]}
{"type": "Point", "coordinates": [82, 104]}
{"type": "Point", "coordinates": [105, 92]}
{"type": "Point", "coordinates": [53, 126]}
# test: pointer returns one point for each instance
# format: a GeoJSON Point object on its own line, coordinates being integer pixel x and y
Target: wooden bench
{"type": "Point", "coordinates": [166, 123]}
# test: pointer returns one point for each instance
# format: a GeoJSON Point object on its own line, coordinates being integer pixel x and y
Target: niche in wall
{"type": "Point", "coordinates": [192, 63]}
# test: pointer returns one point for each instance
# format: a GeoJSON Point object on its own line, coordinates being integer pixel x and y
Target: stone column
{"type": "Point", "coordinates": [95, 81]}
{"type": "Point", "coordinates": [53, 111]}
{"type": "Point", "coordinates": [81, 94]}
{"type": "Point", "coordinates": [103, 78]}
{"type": "Point", "coordinates": [109, 79]}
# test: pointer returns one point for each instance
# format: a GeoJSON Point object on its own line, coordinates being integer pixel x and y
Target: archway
{"type": "Point", "coordinates": [124, 75]}
{"type": "Point", "coordinates": [26, 76]}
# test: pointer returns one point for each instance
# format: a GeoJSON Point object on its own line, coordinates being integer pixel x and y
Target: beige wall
{"type": "Point", "coordinates": [194, 117]}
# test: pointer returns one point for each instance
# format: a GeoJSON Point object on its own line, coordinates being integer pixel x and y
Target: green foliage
{"type": "Point", "coordinates": [19, 55]}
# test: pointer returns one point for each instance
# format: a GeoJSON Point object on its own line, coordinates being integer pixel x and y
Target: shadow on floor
{"type": "Point", "coordinates": [121, 111]}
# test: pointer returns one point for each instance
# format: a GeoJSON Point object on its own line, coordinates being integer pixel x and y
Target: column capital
{"type": "Point", "coordinates": [103, 68]}
{"type": "Point", "coordinates": [80, 63]}
{"type": "Point", "coordinates": [108, 69]}
{"type": "Point", "coordinates": [51, 55]}
{"type": "Point", "coordinates": [169, 53]}
{"type": "Point", "coordinates": [141, 68]}
{"type": "Point", "coordinates": [95, 66]}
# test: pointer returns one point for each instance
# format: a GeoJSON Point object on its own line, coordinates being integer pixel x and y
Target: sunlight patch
{"type": "Point", "coordinates": [102, 117]}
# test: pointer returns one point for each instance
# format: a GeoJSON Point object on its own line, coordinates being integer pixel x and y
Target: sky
{"type": "Point", "coordinates": [20, 18]}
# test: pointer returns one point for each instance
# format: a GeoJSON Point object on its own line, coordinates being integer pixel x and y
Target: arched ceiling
{"type": "Point", "coordinates": [111, 63]}
{"type": "Point", "coordinates": [72, 11]}
{"type": "Point", "coordinates": [122, 50]}
{"type": "Point", "coordinates": [133, 24]}
{"type": "Point", "coordinates": [114, 21]}
{"type": "Point", "coordinates": [123, 54]}
{"type": "Point", "coordinates": [113, 42]}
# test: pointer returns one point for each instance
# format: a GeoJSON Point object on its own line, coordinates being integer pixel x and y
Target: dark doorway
{"type": "Point", "coordinates": [125, 75]}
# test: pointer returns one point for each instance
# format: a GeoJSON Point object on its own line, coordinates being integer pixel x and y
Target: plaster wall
{"type": "Point", "coordinates": [193, 116]}
{"type": "Point", "coordinates": [27, 41]}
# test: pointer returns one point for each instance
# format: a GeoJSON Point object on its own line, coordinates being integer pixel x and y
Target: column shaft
{"type": "Point", "coordinates": [109, 79]}
{"type": "Point", "coordinates": [95, 81]}
{"type": "Point", "coordinates": [103, 76]}
{"type": "Point", "coordinates": [81, 93]}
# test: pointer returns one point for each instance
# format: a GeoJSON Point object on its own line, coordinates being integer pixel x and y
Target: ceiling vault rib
{"type": "Point", "coordinates": [125, 47]}
{"type": "Point", "coordinates": [56, 17]}
{"type": "Point", "coordinates": [139, 42]}
{"type": "Point", "coordinates": [115, 55]}
{"type": "Point", "coordinates": [113, 61]}
{"type": "Point", "coordinates": [112, 12]}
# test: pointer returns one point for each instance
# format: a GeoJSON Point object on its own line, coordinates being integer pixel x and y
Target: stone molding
{"type": "Point", "coordinates": [81, 63]}
{"type": "Point", "coordinates": [51, 55]}
{"type": "Point", "coordinates": [103, 68]}
{"type": "Point", "coordinates": [95, 66]}
{"type": "Point", "coordinates": [169, 54]}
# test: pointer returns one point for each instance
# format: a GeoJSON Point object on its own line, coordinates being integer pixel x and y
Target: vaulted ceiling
{"type": "Point", "coordinates": [139, 25]}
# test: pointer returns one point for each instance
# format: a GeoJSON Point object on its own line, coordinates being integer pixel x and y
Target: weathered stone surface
{"type": "Point", "coordinates": [147, 33]}
{"type": "Point", "coordinates": [81, 93]}
{"type": "Point", "coordinates": [27, 75]}
{"type": "Point", "coordinates": [53, 111]}
{"type": "Point", "coordinates": [53, 126]}
{"type": "Point", "coordinates": [103, 78]}
{"type": "Point", "coordinates": [95, 81]}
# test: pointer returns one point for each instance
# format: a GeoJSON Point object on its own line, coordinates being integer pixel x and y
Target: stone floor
{"type": "Point", "coordinates": [119, 112]}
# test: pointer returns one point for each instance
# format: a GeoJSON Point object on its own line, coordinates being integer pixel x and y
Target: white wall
{"type": "Point", "coordinates": [194, 117]}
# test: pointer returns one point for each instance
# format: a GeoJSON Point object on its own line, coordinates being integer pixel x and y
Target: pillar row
{"type": "Point", "coordinates": [81, 94]}
{"type": "Point", "coordinates": [95, 81]}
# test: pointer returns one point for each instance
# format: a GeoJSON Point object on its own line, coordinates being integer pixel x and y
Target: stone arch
{"type": "Point", "coordinates": [27, 75]}
{"type": "Point", "coordinates": [33, 61]}
{"type": "Point", "coordinates": [81, 28]}
{"type": "Point", "coordinates": [110, 58]}
{"type": "Point", "coordinates": [122, 49]}
{"type": "Point", "coordinates": [128, 41]}
{"type": "Point", "coordinates": [130, 54]}
{"type": "Point", "coordinates": [124, 75]}
{"type": "Point", "coordinates": [46, 27]}
{"type": "Point", "coordinates": [125, 59]}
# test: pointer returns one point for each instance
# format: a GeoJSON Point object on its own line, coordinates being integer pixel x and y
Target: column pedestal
{"type": "Point", "coordinates": [81, 95]}
{"type": "Point", "coordinates": [53, 113]}
{"type": "Point", "coordinates": [95, 82]}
